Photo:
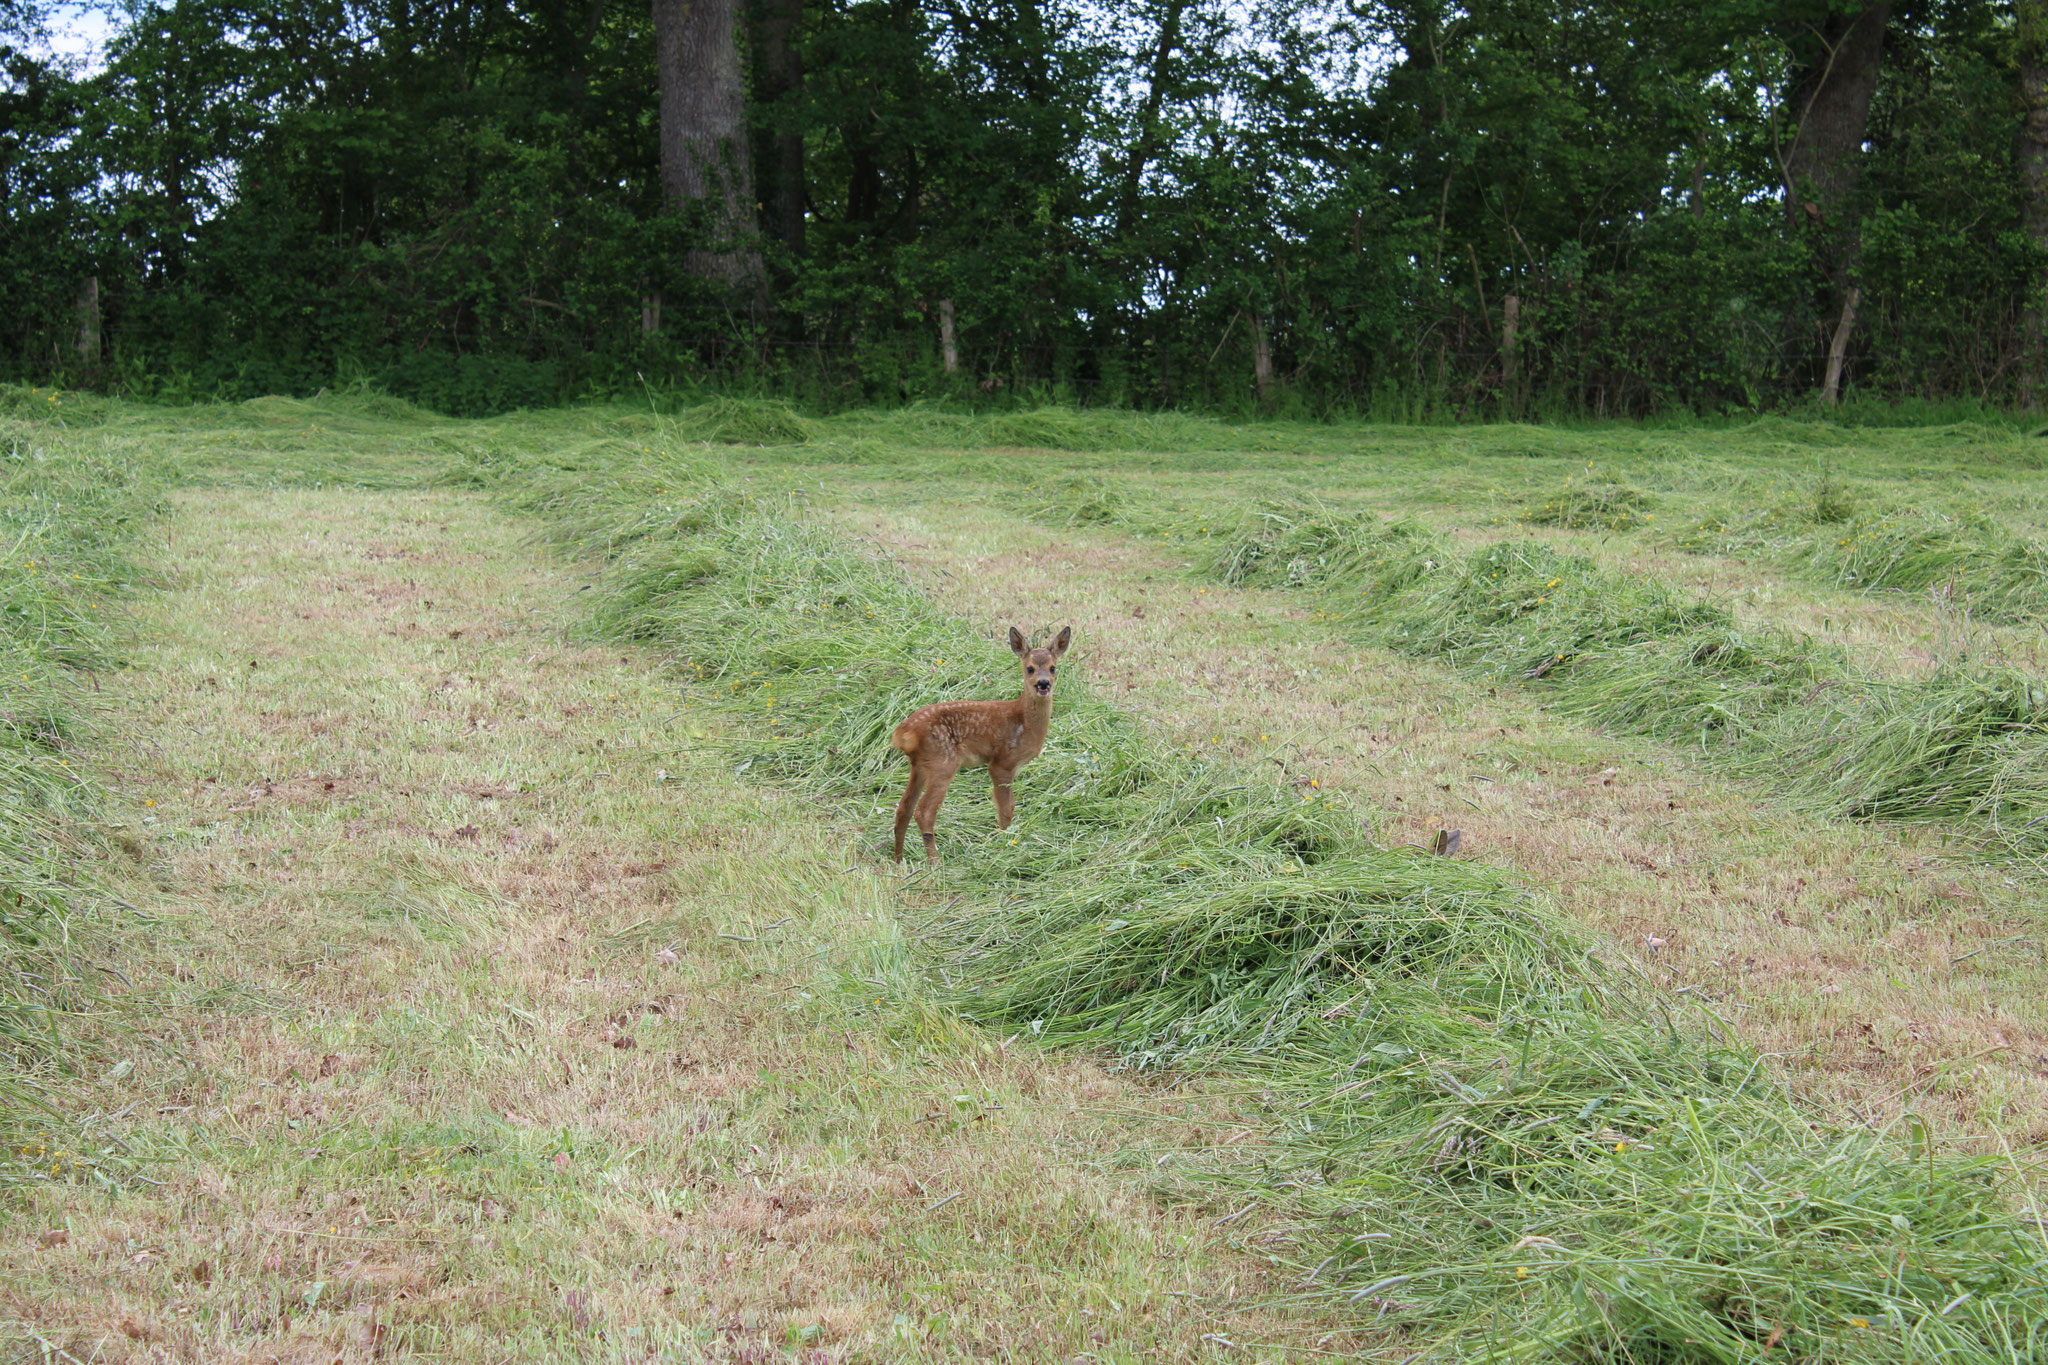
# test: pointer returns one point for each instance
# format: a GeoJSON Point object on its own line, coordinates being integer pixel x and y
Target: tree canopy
{"type": "Point", "coordinates": [1404, 207]}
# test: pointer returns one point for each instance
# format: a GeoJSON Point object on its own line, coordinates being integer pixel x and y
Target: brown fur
{"type": "Point", "coordinates": [947, 736]}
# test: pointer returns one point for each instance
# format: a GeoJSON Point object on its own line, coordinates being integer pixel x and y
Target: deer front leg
{"type": "Point", "coordinates": [906, 805]}
{"type": "Point", "coordinates": [928, 814]}
{"type": "Point", "coordinates": [1006, 794]}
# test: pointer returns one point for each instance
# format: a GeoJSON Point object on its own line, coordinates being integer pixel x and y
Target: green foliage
{"type": "Point", "coordinates": [1502, 1146]}
{"type": "Point", "coordinates": [474, 385]}
{"type": "Point", "coordinates": [1121, 209]}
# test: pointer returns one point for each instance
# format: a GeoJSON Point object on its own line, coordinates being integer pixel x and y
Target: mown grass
{"type": "Point", "coordinates": [1965, 745]}
{"type": "Point", "coordinates": [1967, 563]}
{"type": "Point", "coordinates": [1468, 482]}
{"type": "Point", "coordinates": [473, 1021]}
{"type": "Point", "coordinates": [1599, 506]}
{"type": "Point", "coordinates": [69, 516]}
{"type": "Point", "coordinates": [1472, 1032]}
{"type": "Point", "coordinates": [1501, 1146]}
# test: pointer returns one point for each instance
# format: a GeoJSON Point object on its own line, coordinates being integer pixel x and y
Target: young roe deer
{"type": "Point", "coordinates": [947, 736]}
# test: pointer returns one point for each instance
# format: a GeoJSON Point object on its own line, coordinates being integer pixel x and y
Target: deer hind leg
{"type": "Point", "coordinates": [1006, 794]}
{"type": "Point", "coordinates": [928, 814]}
{"type": "Point", "coordinates": [906, 805]}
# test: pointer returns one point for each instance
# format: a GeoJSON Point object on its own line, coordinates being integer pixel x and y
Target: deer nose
{"type": "Point", "coordinates": [1043, 688]}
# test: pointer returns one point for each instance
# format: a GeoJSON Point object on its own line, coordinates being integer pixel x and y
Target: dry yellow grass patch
{"type": "Point", "coordinates": [483, 1017]}
{"type": "Point", "coordinates": [1889, 974]}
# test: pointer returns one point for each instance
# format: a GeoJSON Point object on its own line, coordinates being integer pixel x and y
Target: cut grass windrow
{"type": "Point", "coordinates": [67, 513]}
{"type": "Point", "coordinates": [1968, 563]}
{"type": "Point", "coordinates": [1499, 1146]}
{"type": "Point", "coordinates": [1965, 746]}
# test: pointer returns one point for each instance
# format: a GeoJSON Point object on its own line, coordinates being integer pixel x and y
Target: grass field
{"type": "Point", "coordinates": [489, 949]}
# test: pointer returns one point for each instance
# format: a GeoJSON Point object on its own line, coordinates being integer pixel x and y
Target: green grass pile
{"type": "Point", "coordinates": [1498, 1145]}
{"type": "Point", "coordinates": [1967, 563]}
{"type": "Point", "coordinates": [68, 512]}
{"type": "Point", "coordinates": [742, 422]}
{"type": "Point", "coordinates": [56, 410]}
{"type": "Point", "coordinates": [1084, 500]}
{"type": "Point", "coordinates": [1974, 567]}
{"type": "Point", "coordinates": [1068, 429]}
{"type": "Point", "coordinates": [1590, 507]}
{"type": "Point", "coordinates": [1965, 746]}
{"type": "Point", "coordinates": [1315, 547]}
{"type": "Point", "coordinates": [1074, 429]}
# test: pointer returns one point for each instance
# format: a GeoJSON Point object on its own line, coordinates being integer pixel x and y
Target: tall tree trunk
{"type": "Point", "coordinates": [89, 327]}
{"type": "Point", "coordinates": [775, 28]}
{"type": "Point", "coordinates": [1838, 348]}
{"type": "Point", "coordinates": [2032, 16]}
{"type": "Point", "coordinates": [1510, 322]}
{"type": "Point", "coordinates": [1831, 101]}
{"type": "Point", "coordinates": [949, 346]}
{"type": "Point", "coordinates": [704, 135]}
{"type": "Point", "coordinates": [1262, 359]}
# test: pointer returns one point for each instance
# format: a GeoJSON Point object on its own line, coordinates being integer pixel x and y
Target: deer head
{"type": "Point", "coordinates": [1040, 664]}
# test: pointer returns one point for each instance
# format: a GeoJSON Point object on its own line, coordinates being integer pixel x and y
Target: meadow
{"type": "Point", "coordinates": [464, 924]}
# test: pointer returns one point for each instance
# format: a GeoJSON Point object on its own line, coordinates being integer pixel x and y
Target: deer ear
{"type": "Point", "coordinates": [1017, 642]}
{"type": "Point", "coordinates": [1060, 643]}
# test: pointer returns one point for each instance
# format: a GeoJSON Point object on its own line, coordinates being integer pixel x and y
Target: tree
{"type": "Point", "coordinates": [1422, 207]}
{"type": "Point", "coordinates": [705, 161]}
{"type": "Point", "coordinates": [1839, 62]}
{"type": "Point", "coordinates": [2032, 156]}
{"type": "Point", "coordinates": [47, 247]}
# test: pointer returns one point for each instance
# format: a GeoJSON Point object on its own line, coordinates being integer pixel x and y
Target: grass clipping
{"type": "Point", "coordinates": [1965, 746]}
{"type": "Point", "coordinates": [1965, 564]}
{"type": "Point", "coordinates": [1498, 1146]}
{"type": "Point", "coordinates": [67, 512]}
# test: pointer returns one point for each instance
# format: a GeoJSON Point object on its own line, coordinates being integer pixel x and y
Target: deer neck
{"type": "Point", "coordinates": [1036, 712]}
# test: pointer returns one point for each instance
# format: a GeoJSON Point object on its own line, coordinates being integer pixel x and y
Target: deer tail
{"type": "Point", "coordinates": [906, 739]}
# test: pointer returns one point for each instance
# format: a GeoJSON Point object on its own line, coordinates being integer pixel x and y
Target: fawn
{"type": "Point", "coordinates": [947, 736]}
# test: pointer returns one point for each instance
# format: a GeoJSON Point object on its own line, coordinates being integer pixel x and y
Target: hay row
{"type": "Point", "coordinates": [1495, 1144]}
{"type": "Point", "coordinates": [1967, 565]}
{"type": "Point", "coordinates": [1965, 747]}
{"type": "Point", "coordinates": [68, 513]}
